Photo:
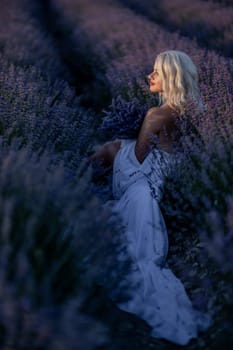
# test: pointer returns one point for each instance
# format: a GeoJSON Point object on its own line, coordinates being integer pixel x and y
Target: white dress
{"type": "Point", "coordinates": [156, 294]}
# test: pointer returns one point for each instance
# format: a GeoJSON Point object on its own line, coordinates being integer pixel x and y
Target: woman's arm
{"type": "Point", "coordinates": [105, 154]}
{"type": "Point", "coordinates": [103, 158]}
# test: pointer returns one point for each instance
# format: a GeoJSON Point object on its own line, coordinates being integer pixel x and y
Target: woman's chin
{"type": "Point", "coordinates": [152, 88]}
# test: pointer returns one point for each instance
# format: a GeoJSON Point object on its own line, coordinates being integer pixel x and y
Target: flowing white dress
{"type": "Point", "coordinates": [156, 294]}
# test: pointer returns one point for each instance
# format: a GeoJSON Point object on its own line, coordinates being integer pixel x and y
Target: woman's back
{"type": "Point", "coordinates": [169, 135]}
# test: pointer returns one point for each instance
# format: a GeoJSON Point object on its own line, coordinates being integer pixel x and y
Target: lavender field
{"type": "Point", "coordinates": [73, 76]}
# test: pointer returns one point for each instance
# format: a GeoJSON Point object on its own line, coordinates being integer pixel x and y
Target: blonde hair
{"type": "Point", "coordinates": [179, 80]}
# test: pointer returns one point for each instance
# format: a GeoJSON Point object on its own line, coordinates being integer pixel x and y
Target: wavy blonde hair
{"type": "Point", "coordinates": [179, 80]}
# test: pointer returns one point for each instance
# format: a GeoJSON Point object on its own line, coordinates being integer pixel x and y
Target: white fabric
{"type": "Point", "coordinates": [157, 295]}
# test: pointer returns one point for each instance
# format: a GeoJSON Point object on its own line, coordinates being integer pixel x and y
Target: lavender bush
{"type": "Point", "coordinates": [126, 45]}
{"type": "Point", "coordinates": [51, 248]}
{"type": "Point", "coordinates": [223, 2]}
{"type": "Point", "coordinates": [123, 119]}
{"type": "Point", "coordinates": [36, 104]}
{"type": "Point", "coordinates": [209, 23]}
{"type": "Point", "coordinates": [198, 194]}
{"type": "Point", "coordinates": [43, 221]}
{"type": "Point", "coordinates": [26, 326]}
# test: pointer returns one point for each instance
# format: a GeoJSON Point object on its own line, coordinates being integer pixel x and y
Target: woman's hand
{"type": "Point", "coordinates": [106, 153]}
{"type": "Point", "coordinates": [103, 157]}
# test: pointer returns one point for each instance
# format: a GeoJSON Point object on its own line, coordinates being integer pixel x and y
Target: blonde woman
{"type": "Point", "coordinates": [139, 166]}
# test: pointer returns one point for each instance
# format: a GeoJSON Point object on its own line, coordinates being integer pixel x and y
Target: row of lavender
{"type": "Point", "coordinates": [125, 46]}
{"type": "Point", "coordinates": [207, 22]}
{"type": "Point", "coordinates": [222, 2]}
{"type": "Point", "coordinates": [51, 249]}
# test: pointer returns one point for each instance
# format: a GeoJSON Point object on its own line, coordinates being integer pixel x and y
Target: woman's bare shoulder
{"type": "Point", "coordinates": [153, 110]}
{"type": "Point", "coordinates": [156, 115]}
{"type": "Point", "coordinates": [164, 112]}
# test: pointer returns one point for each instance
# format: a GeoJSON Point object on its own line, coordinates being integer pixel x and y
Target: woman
{"type": "Point", "coordinates": [139, 166]}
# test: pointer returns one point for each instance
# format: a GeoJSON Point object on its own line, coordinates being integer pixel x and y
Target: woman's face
{"type": "Point", "coordinates": [155, 80]}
